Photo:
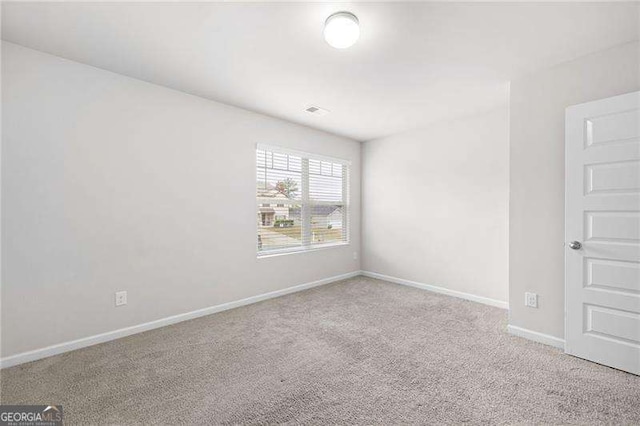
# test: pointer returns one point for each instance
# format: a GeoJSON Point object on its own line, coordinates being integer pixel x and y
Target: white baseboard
{"type": "Point", "coordinates": [512, 329]}
{"type": "Point", "coordinates": [48, 351]}
{"type": "Point", "coordinates": [441, 290]}
{"type": "Point", "coordinates": [546, 339]}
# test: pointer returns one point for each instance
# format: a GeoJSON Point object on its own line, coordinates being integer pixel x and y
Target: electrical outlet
{"type": "Point", "coordinates": [121, 298]}
{"type": "Point", "coordinates": [531, 300]}
{"type": "Point", "coordinates": [355, 255]}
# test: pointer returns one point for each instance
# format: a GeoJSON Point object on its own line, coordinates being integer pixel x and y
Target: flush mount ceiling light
{"type": "Point", "coordinates": [341, 30]}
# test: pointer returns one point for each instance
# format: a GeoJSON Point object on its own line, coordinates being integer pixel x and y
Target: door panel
{"type": "Point", "coordinates": [602, 283]}
{"type": "Point", "coordinates": [613, 275]}
{"type": "Point", "coordinates": [612, 178]}
{"type": "Point", "coordinates": [612, 227]}
{"type": "Point", "coordinates": [614, 324]}
{"type": "Point", "coordinates": [617, 127]}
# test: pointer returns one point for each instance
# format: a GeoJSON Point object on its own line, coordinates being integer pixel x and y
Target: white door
{"type": "Point", "coordinates": [602, 232]}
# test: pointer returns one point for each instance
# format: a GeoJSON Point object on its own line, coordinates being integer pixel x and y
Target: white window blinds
{"type": "Point", "coordinates": [302, 200]}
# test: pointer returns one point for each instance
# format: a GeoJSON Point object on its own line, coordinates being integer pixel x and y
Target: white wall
{"type": "Point", "coordinates": [536, 246]}
{"type": "Point", "coordinates": [110, 183]}
{"type": "Point", "coordinates": [435, 205]}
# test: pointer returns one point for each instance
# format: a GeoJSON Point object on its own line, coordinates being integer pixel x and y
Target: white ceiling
{"type": "Point", "coordinates": [415, 63]}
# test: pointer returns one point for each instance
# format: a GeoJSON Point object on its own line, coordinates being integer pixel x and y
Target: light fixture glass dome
{"type": "Point", "coordinates": [341, 30]}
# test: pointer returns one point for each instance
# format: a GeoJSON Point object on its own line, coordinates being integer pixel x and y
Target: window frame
{"type": "Point", "coordinates": [306, 203]}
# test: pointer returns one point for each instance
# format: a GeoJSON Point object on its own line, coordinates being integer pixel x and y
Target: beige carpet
{"type": "Point", "coordinates": [358, 351]}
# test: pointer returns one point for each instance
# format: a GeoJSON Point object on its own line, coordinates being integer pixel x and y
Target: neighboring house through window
{"type": "Point", "coordinates": [302, 199]}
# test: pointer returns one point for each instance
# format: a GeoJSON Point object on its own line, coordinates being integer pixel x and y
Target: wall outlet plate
{"type": "Point", "coordinates": [531, 300]}
{"type": "Point", "coordinates": [121, 298]}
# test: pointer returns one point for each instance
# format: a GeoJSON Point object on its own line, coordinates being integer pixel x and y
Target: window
{"type": "Point", "coordinates": [302, 201]}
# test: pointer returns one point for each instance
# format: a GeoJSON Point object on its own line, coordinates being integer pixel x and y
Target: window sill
{"type": "Point", "coordinates": [277, 253]}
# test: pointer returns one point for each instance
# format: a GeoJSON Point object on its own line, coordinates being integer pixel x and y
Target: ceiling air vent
{"type": "Point", "coordinates": [316, 110]}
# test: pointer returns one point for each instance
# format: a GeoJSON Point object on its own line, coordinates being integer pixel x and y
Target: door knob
{"type": "Point", "coordinates": [576, 245]}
